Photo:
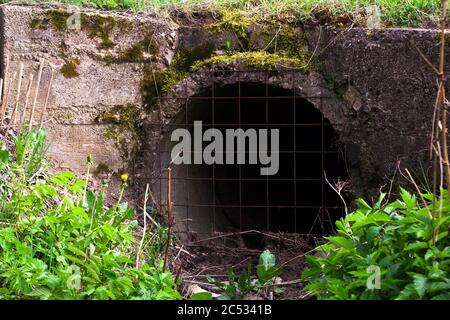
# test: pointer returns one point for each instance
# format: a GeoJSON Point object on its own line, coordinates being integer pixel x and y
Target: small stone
{"type": "Point", "coordinates": [354, 97]}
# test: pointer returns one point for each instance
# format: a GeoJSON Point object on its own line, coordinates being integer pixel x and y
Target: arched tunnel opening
{"type": "Point", "coordinates": [298, 199]}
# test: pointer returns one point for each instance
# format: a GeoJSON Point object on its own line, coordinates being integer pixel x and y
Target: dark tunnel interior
{"type": "Point", "coordinates": [297, 199]}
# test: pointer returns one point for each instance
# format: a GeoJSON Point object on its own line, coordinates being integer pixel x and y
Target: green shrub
{"type": "Point", "coordinates": [59, 240]}
{"type": "Point", "coordinates": [402, 240]}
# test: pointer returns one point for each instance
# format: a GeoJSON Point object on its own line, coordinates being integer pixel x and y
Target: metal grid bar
{"type": "Point", "coordinates": [214, 165]}
{"type": "Point", "coordinates": [295, 155]}
{"type": "Point", "coordinates": [240, 166]}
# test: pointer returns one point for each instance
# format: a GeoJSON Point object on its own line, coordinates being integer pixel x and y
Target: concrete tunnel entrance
{"type": "Point", "coordinates": [213, 199]}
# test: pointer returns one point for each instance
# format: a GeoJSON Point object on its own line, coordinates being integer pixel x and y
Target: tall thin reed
{"type": "Point", "coordinates": [16, 105]}
{"type": "Point", "coordinates": [49, 88]}
{"type": "Point", "coordinates": [169, 217]}
{"type": "Point", "coordinates": [6, 98]}
{"type": "Point", "coordinates": [27, 98]}
{"type": "Point", "coordinates": [36, 93]}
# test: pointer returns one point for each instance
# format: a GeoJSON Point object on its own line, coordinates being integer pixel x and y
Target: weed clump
{"type": "Point", "coordinates": [59, 239]}
{"type": "Point", "coordinates": [387, 251]}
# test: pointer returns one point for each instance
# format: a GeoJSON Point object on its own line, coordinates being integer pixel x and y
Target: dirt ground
{"type": "Point", "coordinates": [195, 262]}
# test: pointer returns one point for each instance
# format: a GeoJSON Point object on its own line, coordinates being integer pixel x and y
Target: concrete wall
{"type": "Point", "coordinates": [382, 92]}
{"type": "Point", "coordinates": [76, 102]}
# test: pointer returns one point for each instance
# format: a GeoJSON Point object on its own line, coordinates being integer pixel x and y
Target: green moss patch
{"type": "Point", "coordinates": [58, 19]}
{"type": "Point", "coordinates": [102, 169]}
{"type": "Point", "coordinates": [36, 23]}
{"type": "Point", "coordinates": [94, 25]}
{"type": "Point", "coordinates": [261, 60]}
{"type": "Point", "coordinates": [69, 69]}
{"type": "Point", "coordinates": [143, 51]}
{"type": "Point", "coordinates": [234, 21]}
{"type": "Point", "coordinates": [99, 26]}
{"type": "Point", "coordinates": [184, 58]}
{"type": "Point", "coordinates": [125, 116]}
{"type": "Point", "coordinates": [157, 82]}
{"type": "Point", "coordinates": [338, 89]}
{"type": "Point", "coordinates": [123, 127]}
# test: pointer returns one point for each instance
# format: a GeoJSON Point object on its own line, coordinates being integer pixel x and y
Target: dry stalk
{"type": "Point", "coordinates": [49, 88]}
{"type": "Point", "coordinates": [27, 98]}
{"type": "Point", "coordinates": [4, 81]}
{"type": "Point", "coordinates": [36, 93]}
{"type": "Point", "coordinates": [1, 89]}
{"type": "Point", "coordinates": [16, 105]}
{"type": "Point", "coordinates": [441, 93]}
{"type": "Point", "coordinates": [340, 186]}
{"type": "Point", "coordinates": [169, 216]}
{"type": "Point", "coordinates": [439, 143]}
{"type": "Point", "coordinates": [145, 227]}
{"type": "Point", "coordinates": [6, 97]}
{"type": "Point", "coordinates": [410, 178]}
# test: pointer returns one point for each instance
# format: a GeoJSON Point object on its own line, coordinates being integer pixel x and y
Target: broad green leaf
{"type": "Point", "coordinates": [201, 296]}
{"type": "Point", "coordinates": [410, 200]}
{"type": "Point", "coordinates": [362, 204]}
{"type": "Point", "coordinates": [4, 158]}
{"type": "Point", "coordinates": [420, 282]}
{"type": "Point", "coordinates": [341, 241]}
{"type": "Point", "coordinates": [266, 260]}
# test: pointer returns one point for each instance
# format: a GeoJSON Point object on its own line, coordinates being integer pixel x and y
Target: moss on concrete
{"type": "Point", "coordinates": [123, 127]}
{"type": "Point", "coordinates": [234, 21]}
{"type": "Point", "coordinates": [100, 26]}
{"type": "Point", "coordinates": [125, 116]}
{"type": "Point", "coordinates": [282, 39]}
{"type": "Point", "coordinates": [267, 43]}
{"type": "Point", "coordinates": [143, 51]}
{"type": "Point", "coordinates": [338, 89]}
{"type": "Point", "coordinates": [289, 49]}
{"type": "Point", "coordinates": [94, 25]}
{"type": "Point", "coordinates": [102, 169]}
{"type": "Point", "coordinates": [184, 58]}
{"type": "Point", "coordinates": [154, 83]}
{"type": "Point", "coordinates": [36, 23]}
{"type": "Point", "coordinates": [70, 68]}
{"type": "Point", "coordinates": [58, 19]}
{"type": "Point", "coordinates": [261, 60]}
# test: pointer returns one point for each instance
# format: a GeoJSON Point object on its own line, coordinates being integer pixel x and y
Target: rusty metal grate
{"type": "Point", "coordinates": [298, 200]}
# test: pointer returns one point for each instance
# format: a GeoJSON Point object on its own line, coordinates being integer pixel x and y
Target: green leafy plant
{"type": "Point", "coordinates": [401, 245]}
{"type": "Point", "coordinates": [266, 271]}
{"type": "Point", "coordinates": [60, 240]}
